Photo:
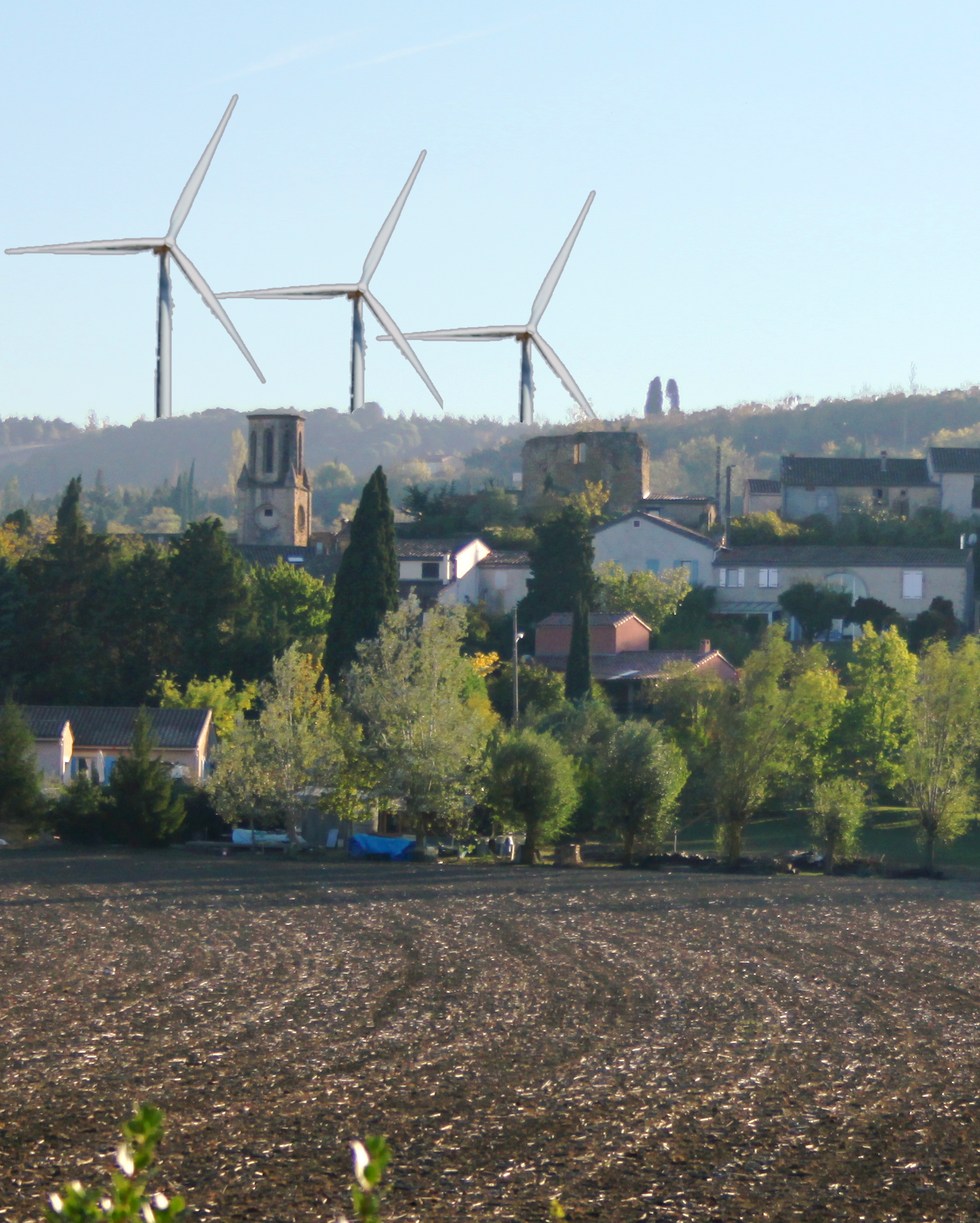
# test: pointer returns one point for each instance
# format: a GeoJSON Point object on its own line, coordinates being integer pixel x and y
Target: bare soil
{"type": "Point", "coordinates": [639, 1045]}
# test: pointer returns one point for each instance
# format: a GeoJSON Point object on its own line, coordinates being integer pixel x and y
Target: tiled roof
{"type": "Point", "coordinates": [596, 619]}
{"type": "Point", "coordinates": [430, 549]}
{"type": "Point", "coordinates": [763, 488]}
{"type": "Point", "coordinates": [632, 664]}
{"type": "Point", "coordinates": [666, 524]}
{"type": "Point", "coordinates": [44, 722]}
{"type": "Point", "coordinates": [104, 726]}
{"type": "Point", "coordinates": [853, 473]}
{"type": "Point", "coordinates": [680, 498]}
{"type": "Point", "coordinates": [951, 460]}
{"type": "Point", "coordinates": [506, 560]}
{"type": "Point", "coordinates": [827, 556]}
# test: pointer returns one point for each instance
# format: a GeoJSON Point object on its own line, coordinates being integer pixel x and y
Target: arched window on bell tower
{"type": "Point", "coordinates": [267, 448]}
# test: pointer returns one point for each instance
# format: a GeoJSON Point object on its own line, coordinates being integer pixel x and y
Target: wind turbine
{"type": "Point", "coordinates": [359, 295]}
{"type": "Point", "coordinates": [527, 334]}
{"type": "Point", "coordinates": [165, 248]}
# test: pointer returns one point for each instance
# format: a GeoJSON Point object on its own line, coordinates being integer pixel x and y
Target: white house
{"type": "Point", "coordinates": [648, 541]}
{"type": "Point", "coordinates": [749, 580]}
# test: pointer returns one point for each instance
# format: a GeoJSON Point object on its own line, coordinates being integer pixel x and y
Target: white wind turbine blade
{"type": "Point", "coordinates": [554, 273]}
{"type": "Point", "coordinates": [386, 230]}
{"type": "Point", "coordinates": [466, 333]}
{"type": "Point", "coordinates": [399, 340]}
{"type": "Point", "coordinates": [183, 205]}
{"type": "Point", "coordinates": [216, 308]}
{"type": "Point", "coordinates": [567, 381]}
{"type": "Point", "coordinates": [296, 292]}
{"type": "Point", "coordinates": [109, 246]}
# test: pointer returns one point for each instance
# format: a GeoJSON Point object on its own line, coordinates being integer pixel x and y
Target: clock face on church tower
{"type": "Point", "coordinates": [267, 517]}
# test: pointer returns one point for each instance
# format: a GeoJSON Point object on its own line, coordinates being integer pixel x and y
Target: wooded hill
{"type": "Point", "coordinates": [44, 455]}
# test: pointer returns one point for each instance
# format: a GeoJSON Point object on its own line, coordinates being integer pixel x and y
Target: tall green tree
{"type": "Point", "coordinates": [146, 809]}
{"type": "Point", "coordinates": [64, 623]}
{"type": "Point", "coordinates": [20, 777]}
{"type": "Point", "coordinates": [366, 587]}
{"type": "Point", "coordinates": [578, 670]}
{"type": "Point", "coordinates": [426, 719]}
{"type": "Point", "coordinates": [881, 678]}
{"type": "Point", "coordinates": [532, 786]}
{"type": "Point", "coordinates": [940, 758]}
{"type": "Point", "coordinates": [641, 775]}
{"type": "Point", "coordinates": [209, 601]}
{"type": "Point", "coordinates": [561, 566]}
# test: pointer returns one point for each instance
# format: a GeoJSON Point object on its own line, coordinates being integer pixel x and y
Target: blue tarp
{"type": "Point", "coordinates": [364, 845]}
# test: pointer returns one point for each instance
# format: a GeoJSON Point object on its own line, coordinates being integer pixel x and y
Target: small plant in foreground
{"type": "Point", "coordinates": [127, 1199]}
{"type": "Point", "coordinates": [371, 1157]}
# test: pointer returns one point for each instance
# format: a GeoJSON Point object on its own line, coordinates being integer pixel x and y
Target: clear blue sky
{"type": "Point", "coordinates": [787, 197]}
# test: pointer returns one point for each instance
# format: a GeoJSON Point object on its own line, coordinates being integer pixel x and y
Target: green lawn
{"type": "Point", "coordinates": [889, 835]}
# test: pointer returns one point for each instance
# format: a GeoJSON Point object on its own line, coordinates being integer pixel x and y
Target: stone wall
{"type": "Point", "coordinates": [563, 464]}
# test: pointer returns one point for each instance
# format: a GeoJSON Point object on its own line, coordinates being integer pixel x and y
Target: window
{"type": "Point", "coordinates": [251, 454]}
{"type": "Point", "coordinates": [690, 566]}
{"type": "Point", "coordinates": [768, 579]}
{"type": "Point", "coordinates": [653, 565]}
{"type": "Point", "coordinates": [823, 501]}
{"type": "Point", "coordinates": [430, 569]}
{"type": "Point", "coordinates": [267, 451]}
{"type": "Point", "coordinates": [636, 522]}
{"type": "Point", "coordinates": [731, 577]}
{"type": "Point", "coordinates": [879, 496]}
{"type": "Point", "coordinates": [912, 583]}
{"type": "Point", "coordinates": [300, 518]}
{"type": "Point", "coordinates": [299, 452]}
{"type": "Point", "coordinates": [579, 451]}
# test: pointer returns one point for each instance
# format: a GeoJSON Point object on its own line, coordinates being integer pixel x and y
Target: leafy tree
{"type": "Point", "coordinates": [561, 566]}
{"type": "Point", "coordinates": [578, 670]}
{"type": "Point", "coordinates": [762, 527]}
{"type": "Point", "coordinates": [815, 608]}
{"type": "Point", "coordinates": [747, 739]}
{"type": "Point", "coordinates": [641, 775]}
{"type": "Point", "coordinates": [145, 808]}
{"type": "Point", "coordinates": [217, 693]}
{"type": "Point", "coordinates": [937, 623]}
{"type": "Point", "coordinates": [654, 405]}
{"type": "Point", "coordinates": [881, 677]}
{"type": "Point", "coordinates": [425, 714]}
{"type": "Point", "coordinates": [532, 785]}
{"type": "Point", "coordinates": [269, 770]}
{"type": "Point", "coordinates": [940, 758]}
{"type": "Point", "coordinates": [289, 606]}
{"type": "Point", "coordinates": [80, 812]}
{"type": "Point", "coordinates": [20, 778]}
{"type": "Point", "coordinates": [837, 817]}
{"type": "Point", "coordinates": [585, 730]}
{"type": "Point", "coordinates": [871, 611]}
{"type": "Point", "coordinates": [540, 690]}
{"type": "Point", "coordinates": [654, 597]}
{"type": "Point", "coordinates": [366, 587]}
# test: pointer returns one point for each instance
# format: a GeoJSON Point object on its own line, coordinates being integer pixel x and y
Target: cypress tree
{"type": "Point", "coordinates": [366, 588]}
{"type": "Point", "coordinates": [654, 405]}
{"type": "Point", "coordinates": [673, 397]}
{"type": "Point", "coordinates": [146, 809]}
{"type": "Point", "coordinates": [20, 778]}
{"type": "Point", "coordinates": [578, 673]}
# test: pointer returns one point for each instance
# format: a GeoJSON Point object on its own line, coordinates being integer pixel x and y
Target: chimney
{"type": "Point", "coordinates": [884, 460]}
{"type": "Point", "coordinates": [705, 646]}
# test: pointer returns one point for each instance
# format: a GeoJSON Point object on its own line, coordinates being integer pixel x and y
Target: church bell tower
{"type": "Point", "coordinates": [274, 497]}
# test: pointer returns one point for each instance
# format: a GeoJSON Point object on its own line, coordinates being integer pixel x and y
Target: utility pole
{"type": "Point", "coordinates": [515, 663]}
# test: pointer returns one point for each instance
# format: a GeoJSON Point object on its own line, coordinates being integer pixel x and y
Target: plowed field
{"type": "Point", "coordinates": [639, 1045]}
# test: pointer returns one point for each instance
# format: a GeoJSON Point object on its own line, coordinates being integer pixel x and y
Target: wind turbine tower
{"type": "Point", "coordinates": [165, 249]}
{"type": "Point", "coordinates": [359, 294]}
{"type": "Point", "coordinates": [527, 334]}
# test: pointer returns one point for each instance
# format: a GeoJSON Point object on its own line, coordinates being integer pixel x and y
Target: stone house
{"type": "Point", "coordinates": [564, 463]}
